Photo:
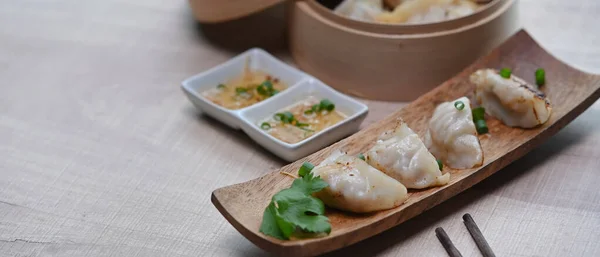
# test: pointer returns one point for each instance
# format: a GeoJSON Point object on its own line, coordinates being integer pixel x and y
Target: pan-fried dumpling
{"type": "Point", "coordinates": [403, 156]}
{"type": "Point", "coordinates": [452, 136]}
{"type": "Point", "coordinates": [513, 101]}
{"type": "Point", "coordinates": [357, 187]}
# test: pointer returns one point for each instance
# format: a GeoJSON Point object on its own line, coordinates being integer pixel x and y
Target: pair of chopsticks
{"type": "Point", "coordinates": [482, 244]}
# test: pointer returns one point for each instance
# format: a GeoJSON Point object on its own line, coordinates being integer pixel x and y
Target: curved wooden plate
{"type": "Point", "coordinates": [571, 92]}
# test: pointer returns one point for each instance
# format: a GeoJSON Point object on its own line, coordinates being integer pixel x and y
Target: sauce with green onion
{"type": "Point", "coordinates": [249, 88]}
{"type": "Point", "coordinates": [302, 120]}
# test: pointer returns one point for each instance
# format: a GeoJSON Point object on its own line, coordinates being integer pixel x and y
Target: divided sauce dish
{"type": "Point", "coordinates": [300, 86]}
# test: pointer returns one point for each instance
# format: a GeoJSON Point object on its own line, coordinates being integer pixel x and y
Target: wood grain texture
{"type": "Point", "coordinates": [102, 155]}
{"type": "Point", "coordinates": [243, 204]}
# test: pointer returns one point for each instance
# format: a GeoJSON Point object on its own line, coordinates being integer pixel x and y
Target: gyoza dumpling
{"type": "Point", "coordinates": [362, 10]}
{"type": "Point", "coordinates": [403, 156]}
{"type": "Point", "coordinates": [357, 187]}
{"type": "Point", "coordinates": [513, 101]}
{"type": "Point", "coordinates": [452, 137]}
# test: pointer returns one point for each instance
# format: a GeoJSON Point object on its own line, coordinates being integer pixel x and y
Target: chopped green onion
{"type": "Point", "coordinates": [285, 117]}
{"type": "Point", "coordinates": [265, 126]}
{"type": "Point", "coordinates": [308, 112]}
{"type": "Point", "coordinates": [301, 125]}
{"type": "Point", "coordinates": [505, 73]}
{"type": "Point", "coordinates": [361, 156]}
{"type": "Point", "coordinates": [478, 113]}
{"type": "Point", "coordinates": [262, 90]}
{"type": "Point", "coordinates": [540, 77]}
{"type": "Point", "coordinates": [459, 105]}
{"type": "Point", "coordinates": [481, 127]}
{"type": "Point", "coordinates": [267, 84]}
{"type": "Point", "coordinates": [325, 104]}
{"type": "Point", "coordinates": [266, 89]}
{"type": "Point", "coordinates": [315, 108]}
{"type": "Point", "coordinates": [288, 117]}
{"type": "Point", "coordinates": [220, 86]}
{"type": "Point", "coordinates": [240, 90]}
{"type": "Point", "coordinates": [305, 169]}
{"type": "Point", "coordinates": [440, 164]}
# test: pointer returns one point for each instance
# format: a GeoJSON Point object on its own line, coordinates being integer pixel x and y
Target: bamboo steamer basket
{"type": "Point", "coordinates": [392, 62]}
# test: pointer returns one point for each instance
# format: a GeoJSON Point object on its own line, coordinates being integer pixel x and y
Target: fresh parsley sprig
{"type": "Point", "coordinates": [294, 211]}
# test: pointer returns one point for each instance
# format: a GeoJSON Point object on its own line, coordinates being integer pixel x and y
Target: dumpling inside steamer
{"type": "Point", "coordinates": [406, 11]}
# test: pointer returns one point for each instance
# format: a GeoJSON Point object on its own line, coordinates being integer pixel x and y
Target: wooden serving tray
{"type": "Point", "coordinates": [570, 91]}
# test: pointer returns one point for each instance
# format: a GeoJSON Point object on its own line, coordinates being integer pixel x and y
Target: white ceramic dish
{"type": "Point", "coordinates": [300, 86]}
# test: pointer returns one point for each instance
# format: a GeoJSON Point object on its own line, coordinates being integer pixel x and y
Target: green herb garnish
{"type": "Point", "coordinates": [265, 126]}
{"type": "Point", "coordinates": [305, 169]}
{"type": "Point", "coordinates": [285, 117]}
{"type": "Point", "coordinates": [440, 164]}
{"type": "Point", "coordinates": [266, 89]}
{"type": "Point", "coordinates": [459, 105]}
{"type": "Point", "coordinates": [481, 127]}
{"type": "Point", "coordinates": [479, 120]}
{"type": "Point", "coordinates": [540, 77]}
{"type": "Point", "coordinates": [221, 86]}
{"type": "Point", "coordinates": [478, 113]}
{"type": "Point", "coordinates": [505, 73]}
{"type": "Point", "coordinates": [308, 111]}
{"type": "Point", "coordinates": [301, 125]}
{"type": "Point", "coordinates": [241, 90]}
{"type": "Point", "coordinates": [295, 211]}
{"type": "Point", "coordinates": [326, 105]}
{"type": "Point", "coordinates": [288, 117]}
{"type": "Point", "coordinates": [361, 156]}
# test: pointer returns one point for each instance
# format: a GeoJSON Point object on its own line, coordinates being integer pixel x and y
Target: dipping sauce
{"type": "Point", "coordinates": [245, 90]}
{"type": "Point", "coordinates": [302, 120]}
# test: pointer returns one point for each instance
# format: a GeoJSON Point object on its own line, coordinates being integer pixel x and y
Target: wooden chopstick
{"type": "Point", "coordinates": [447, 243]}
{"type": "Point", "coordinates": [482, 244]}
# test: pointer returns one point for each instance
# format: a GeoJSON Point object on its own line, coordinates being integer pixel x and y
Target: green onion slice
{"type": "Point", "coordinates": [300, 124]}
{"type": "Point", "coordinates": [220, 86]}
{"type": "Point", "coordinates": [308, 112]}
{"type": "Point", "coordinates": [267, 84]}
{"type": "Point", "coordinates": [459, 105]}
{"type": "Point", "coordinates": [240, 90]}
{"type": "Point", "coordinates": [315, 108]}
{"type": "Point", "coordinates": [288, 117]}
{"type": "Point", "coordinates": [361, 156]}
{"type": "Point", "coordinates": [305, 169]}
{"type": "Point", "coordinates": [540, 77]}
{"type": "Point", "coordinates": [278, 116]}
{"type": "Point", "coordinates": [481, 127]}
{"type": "Point", "coordinates": [325, 104]}
{"type": "Point", "coordinates": [265, 126]}
{"type": "Point", "coordinates": [262, 90]}
{"type": "Point", "coordinates": [478, 113]}
{"type": "Point", "coordinates": [505, 73]}
{"type": "Point", "coordinates": [440, 164]}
